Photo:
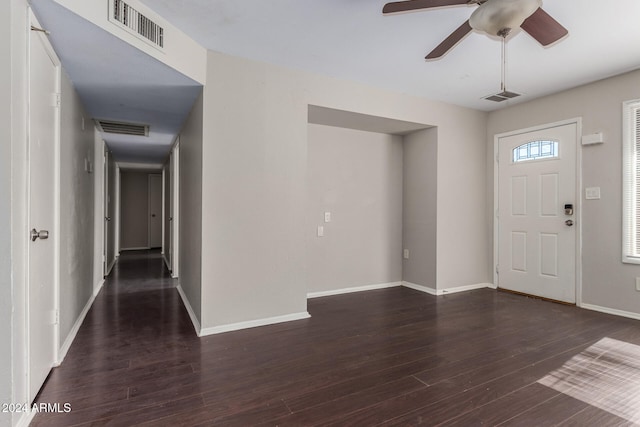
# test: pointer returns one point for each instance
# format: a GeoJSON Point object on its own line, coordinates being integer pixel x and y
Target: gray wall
{"type": "Point", "coordinates": [190, 171]}
{"type": "Point", "coordinates": [253, 196]}
{"type": "Point", "coordinates": [134, 210]}
{"type": "Point", "coordinates": [6, 283]}
{"type": "Point", "coordinates": [254, 183]}
{"type": "Point", "coordinates": [357, 176]}
{"type": "Point", "coordinates": [76, 208]}
{"type": "Point", "coordinates": [419, 231]}
{"type": "Point", "coordinates": [606, 281]}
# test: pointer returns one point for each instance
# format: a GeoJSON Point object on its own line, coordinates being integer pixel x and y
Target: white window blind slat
{"type": "Point", "coordinates": [631, 182]}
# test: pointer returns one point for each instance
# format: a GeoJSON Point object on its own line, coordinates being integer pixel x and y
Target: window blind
{"type": "Point", "coordinates": [631, 182]}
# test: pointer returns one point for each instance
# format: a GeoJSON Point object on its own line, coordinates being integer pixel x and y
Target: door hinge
{"type": "Point", "coordinates": [56, 99]}
{"type": "Point", "coordinates": [497, 269]}
{"type": "Point", "coordinates": [497, 157]}
{"type": "Point", "coordinates": [55, 317]}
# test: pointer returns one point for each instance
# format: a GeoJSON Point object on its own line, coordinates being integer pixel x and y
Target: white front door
{"type": "Point", "coordinates": [536, 235]}
{"type": "Point", "coordinates": [155, 210]}
{"type": "Point", "coordinates": [43, 128]}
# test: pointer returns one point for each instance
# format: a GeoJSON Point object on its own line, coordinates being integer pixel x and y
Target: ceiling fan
{"type": "Point", "coordinates": [494, 17]}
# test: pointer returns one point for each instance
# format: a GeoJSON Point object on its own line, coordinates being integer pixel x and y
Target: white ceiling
{"type": "Point", "coordinates": [352, 40]}
{"type": "Point", "coordinates": [347, 39]}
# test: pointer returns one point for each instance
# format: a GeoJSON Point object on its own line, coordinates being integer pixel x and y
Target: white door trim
{"type": "Point", "coordinates": [56, 189]}
{"type": "Point", "coordinates": [98, 203]}
{"type": "Point", "coordinates": [578, 197]}
{"type": "Point", "coordinates": [163, 216]}
{"type": "Point", "coordinates": [175, 183]}
{"type": "Point", "coordinates": [116, 214]}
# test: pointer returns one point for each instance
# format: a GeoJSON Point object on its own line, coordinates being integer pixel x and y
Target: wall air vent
{"type": "Point", "coordinates": [125, 16]}
{"type": "Point", "coordinates": [502, 96]}
{"type": "Point", "coordinates": [122, 128]}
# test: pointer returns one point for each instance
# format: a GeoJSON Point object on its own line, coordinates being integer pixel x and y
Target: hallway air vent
{"type": "Point", "coordinates": [123, 128]}
{"type": "Point", "coordinates": [135, 22]}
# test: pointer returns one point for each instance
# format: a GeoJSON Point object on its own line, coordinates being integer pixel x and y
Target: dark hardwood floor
{"type": "Point", "coordinates": [392, 357]}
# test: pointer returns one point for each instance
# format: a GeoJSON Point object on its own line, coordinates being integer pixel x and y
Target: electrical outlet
{"type": "Point", "coordinates": [405, 254]}
{"type": "Point", "coordinates": [638, 284]}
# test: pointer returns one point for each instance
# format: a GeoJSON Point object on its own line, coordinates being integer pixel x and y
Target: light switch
{"type": "Point", "coordinates": [592, 193]}
{"type": "Point", "coordinates": [405, 254]}
{"type": "Point", "coordinates": [327, 217]}
{"type": "Point", "coordinates": [320, 231]}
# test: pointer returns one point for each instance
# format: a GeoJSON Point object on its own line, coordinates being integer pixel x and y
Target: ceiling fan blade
{"type": "Point", "coordinates": [403, 6]}
{"type": "Point", "coordinates": [542, 27]}
{"type": "Point", "coordinates": [450, 41]}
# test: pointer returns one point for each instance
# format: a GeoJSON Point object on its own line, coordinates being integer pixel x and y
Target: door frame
{"type": "Point", "coordinates": [56, 199]}
{"type": "Point", "coordinates": [175, 210]}
{"type": "Point", "coordinates": [105, 211]}
{"type": "Point", "coordinates": [578, 197]}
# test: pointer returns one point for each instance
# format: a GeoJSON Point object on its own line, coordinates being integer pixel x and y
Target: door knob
{"type": "Point", "coordinates": [108, 218]}
{"type": "Point", "coordinates": [42, 234]}
{"type": "Point", "coordinates": [153, 215]}
{"type": "Point", "coordinates": [569, 222]}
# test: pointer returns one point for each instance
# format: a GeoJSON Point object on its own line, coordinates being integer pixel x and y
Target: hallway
{"type": "Point", "coordinates": [393, 355]}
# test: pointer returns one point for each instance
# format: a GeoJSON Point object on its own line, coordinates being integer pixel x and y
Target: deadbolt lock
{"type": "Point", "coordinates": [568, 209]}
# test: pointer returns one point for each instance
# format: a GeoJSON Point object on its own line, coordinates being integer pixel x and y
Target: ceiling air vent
{"type": "Point", "coordinates": [123, 128]}
{"type": "Point", "coordinates": [125, 16]}
{"type": "Point", "coordinates": [502, 96]}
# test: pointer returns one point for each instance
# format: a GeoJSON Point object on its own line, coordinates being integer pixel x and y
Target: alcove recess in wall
{"type": "Point", "coordinates": [376, 176]}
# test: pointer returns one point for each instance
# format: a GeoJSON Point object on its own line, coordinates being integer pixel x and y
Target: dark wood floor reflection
{"type": "Point", "coordinates": [393, 356]}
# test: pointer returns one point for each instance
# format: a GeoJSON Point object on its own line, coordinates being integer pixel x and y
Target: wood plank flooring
{"type": "Point", "coordinates": [386, 357]}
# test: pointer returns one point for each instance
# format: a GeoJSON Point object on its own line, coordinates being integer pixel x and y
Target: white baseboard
{"type": "Point", "coordinates": [110, 266]}
{"type": "Point", "coordinates": [26, 419]}
{"type": "Point", "coordinates": [166, 262]}
{"type": "Point", "coordinates": [464, 288]}
{"type": "Point", "coordinates": [141, 248]}
{"type": "Point", "coordinates": [354, 289]}
{"type": "Point", "coordinates": [66, 345]}
{"type": "Point", "coordinates": [420, 288]}
{"type": "Point", "coordinates": [192, 314]}
{"type": "Point", "coordinates": [438, 292]}
{"type": "Point", "coordinates": [96, 289]}
{"type": "Point", "coordinates": [629, 314]}
{"type": "Point", "coordinates": [254, 323]}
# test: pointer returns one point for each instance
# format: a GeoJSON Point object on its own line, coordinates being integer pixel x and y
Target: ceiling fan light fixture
{"type": "Point", "coordinates": [499, 17]}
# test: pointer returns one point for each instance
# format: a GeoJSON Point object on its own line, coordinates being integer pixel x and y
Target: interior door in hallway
{"type": "Point", "coordinates": [155, 210]}
{"type": "Point", "coordinates": [110, 250]}
{"type": "Point", "coordinates": [43, 128]}
{"type": "Point", "coordinates": [536, 215]}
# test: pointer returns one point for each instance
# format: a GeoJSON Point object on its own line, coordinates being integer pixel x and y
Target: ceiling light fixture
{"type": "Point", "coordinates": [499, 17]}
